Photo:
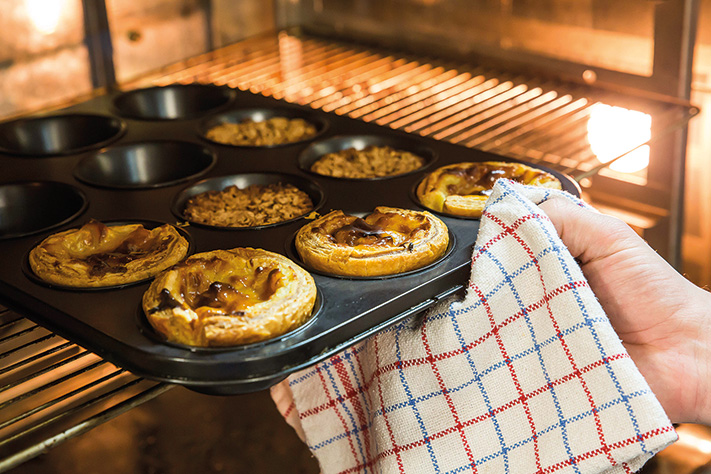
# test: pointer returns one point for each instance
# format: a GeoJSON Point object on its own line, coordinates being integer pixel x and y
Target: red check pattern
{"type": "Point", "coordinates": [524, 375]}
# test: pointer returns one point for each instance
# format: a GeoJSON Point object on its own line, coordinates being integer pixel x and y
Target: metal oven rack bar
{"type": "Point", "coordinates": [52, 390]}
{"type": "Point", "coordinates": [532, 118]}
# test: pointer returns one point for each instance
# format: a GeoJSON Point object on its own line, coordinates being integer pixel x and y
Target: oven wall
{"type": "Point", "coordinates": [44, 59]}
{"type": "Point", "coordinates": [615, 41]}
{"type": "Point", "coordinates": [147, 35]}
{"type": "Point", "coordinates": [697, 229]}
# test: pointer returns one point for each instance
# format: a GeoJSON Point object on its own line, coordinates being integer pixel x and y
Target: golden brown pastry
{"type": "Point", "coordinates": [252, 206]}
{"type": "Point", "coordinates": [97, 255]}
{"type": "Point", "coordinates": [462, 189]}
{"type": "Point", "coordinates": [370, 162]}
{"type": "Point", "coordinates": [386, 242]}
{"type": "Point", "coordinates": [273, 131]}
{"type": "Point", "coordinates": [229, 297]}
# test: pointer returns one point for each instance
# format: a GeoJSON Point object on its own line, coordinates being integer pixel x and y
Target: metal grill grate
{"type": "Point", "coordinates": [52, 390]}
{"type": "Point", "coordinates": [530, 118]}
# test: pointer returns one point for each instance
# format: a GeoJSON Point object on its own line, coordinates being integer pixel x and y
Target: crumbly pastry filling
{"type": "Point", "coordinates": [99, 255]}
{"type": "Point", "coordinates": [229, 297]}
{"type": "Point", "coordinates": [370, 162]}
{"type": "Point", "coordinates": [252, 206]}
{"type": "Point", "coordinates": [273, 131]}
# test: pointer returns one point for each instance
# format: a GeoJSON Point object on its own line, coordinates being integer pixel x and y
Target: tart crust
{"type": "Point", "coordinates": [462, 189]}
{"type": "Point", "coordinates": [386, 242]}
{"type": "Point", "coordinates": [229, 297]}
{"type": "Point", "coordinates": [97, 255]}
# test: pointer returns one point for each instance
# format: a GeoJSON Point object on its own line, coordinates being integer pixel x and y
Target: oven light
{"type": "Point", "coordinates": [613, 131]}
{"type": "Point", "coordinates": [695, 438]}
{"type": "Point", "coordinates": [45, 14]}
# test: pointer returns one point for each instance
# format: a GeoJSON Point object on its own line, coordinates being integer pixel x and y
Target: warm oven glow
{"type": "Point", "coordinates": [613, 131]}
{"type": "Point", "coordinates": [44, 14]}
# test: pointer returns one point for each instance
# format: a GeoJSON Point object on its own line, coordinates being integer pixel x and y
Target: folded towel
{"type": "Point", "coordinates": [524, 375]}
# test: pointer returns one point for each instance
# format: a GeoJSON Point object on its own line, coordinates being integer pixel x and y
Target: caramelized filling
{"type": "Point", "coordinates": [137, 244]}
{"type": "Point", "coordinates": [206, 285]}
{"type": "Point", "coordinates": [382, 229]}
{"type": "Point", "coordinates": [166, 301]}
{"type": "Point", "coordinates": [479, 180]}
{"type": "Point", "coordinates": [359, 232]}
{"type": "Point", "coordinates": [222, 296]}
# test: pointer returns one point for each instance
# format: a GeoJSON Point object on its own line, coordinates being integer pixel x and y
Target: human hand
{"type": "Point", "coordinates": [664, 320]}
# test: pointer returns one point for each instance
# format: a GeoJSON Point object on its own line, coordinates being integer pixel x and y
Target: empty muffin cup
{"type": "Point", "coordinates": [179, 101]}
{"type": "Point", "coordinates": [58, 134]}
{"type": "Point", "coordinates": [263, 127]}
{"type": "Point", "coordinates": [366, 157]}
{"type": "Point", "coordinates": [145, 165]}
{"type": "Point", "coordinates": [27, 208]}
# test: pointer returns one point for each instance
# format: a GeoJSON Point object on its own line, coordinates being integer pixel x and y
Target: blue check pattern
{"type": "Point", "coordinates": [524, 375]}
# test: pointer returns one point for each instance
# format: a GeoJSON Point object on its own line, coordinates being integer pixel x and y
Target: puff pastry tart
{"type": "Point", "coordinates": [229, 297]}
{"type": "Point", "coordinates": [386, 242]}
{"type": "Point", "coordinates": [462, 189]}
{"type": "Point", "coordinates": [97, 255]}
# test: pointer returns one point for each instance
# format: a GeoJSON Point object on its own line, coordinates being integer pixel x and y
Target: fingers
{"type": "Point", "coordinates": [589, 235]}
{"type": "Point", "coordinates": [284, 401]}
{"type": "Point", "coordinates": [621, 268]}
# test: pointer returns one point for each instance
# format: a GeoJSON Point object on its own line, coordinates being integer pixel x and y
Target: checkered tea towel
{"type": "Point", "coordinates": [525, 375]}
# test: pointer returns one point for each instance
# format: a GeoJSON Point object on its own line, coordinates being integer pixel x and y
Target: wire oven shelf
{"type": "Point", "coordinates": [521, 116]}
{"type": "Point", "coordinates": [52, 390]}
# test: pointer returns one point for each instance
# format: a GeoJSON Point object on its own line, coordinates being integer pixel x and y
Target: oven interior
{"type": "Point", "coordinates": [573, 85]}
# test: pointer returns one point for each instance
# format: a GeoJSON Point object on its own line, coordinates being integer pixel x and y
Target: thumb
{"type": "Point", "coordinates": [589, 235]}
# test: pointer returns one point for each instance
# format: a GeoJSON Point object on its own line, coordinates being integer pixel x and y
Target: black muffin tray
{"type": "Point", "coordinates": [137, 157]}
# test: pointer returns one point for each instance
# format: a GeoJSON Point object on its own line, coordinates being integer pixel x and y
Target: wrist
{"type": "Point", "coordinates": [702, 314]}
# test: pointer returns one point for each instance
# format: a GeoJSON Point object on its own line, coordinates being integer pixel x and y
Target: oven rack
{"type": "Point", "coordinates": [52, 390]}
{"type": "Point", "coordinates": [524, 116]}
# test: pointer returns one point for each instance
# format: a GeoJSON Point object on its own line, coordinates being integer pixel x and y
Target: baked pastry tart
{"type": "Point", "coordinates": [229, 297]}
{"type": "Point", "coordinates": [99, 255]}
{"type": "Point", "coordinates": [462, 189]}
{"type": "Point", "coordinates": [386, 242]}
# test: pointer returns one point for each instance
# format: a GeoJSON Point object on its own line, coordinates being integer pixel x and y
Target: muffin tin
{"type": "Point", "coordinates": [138, 156]}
